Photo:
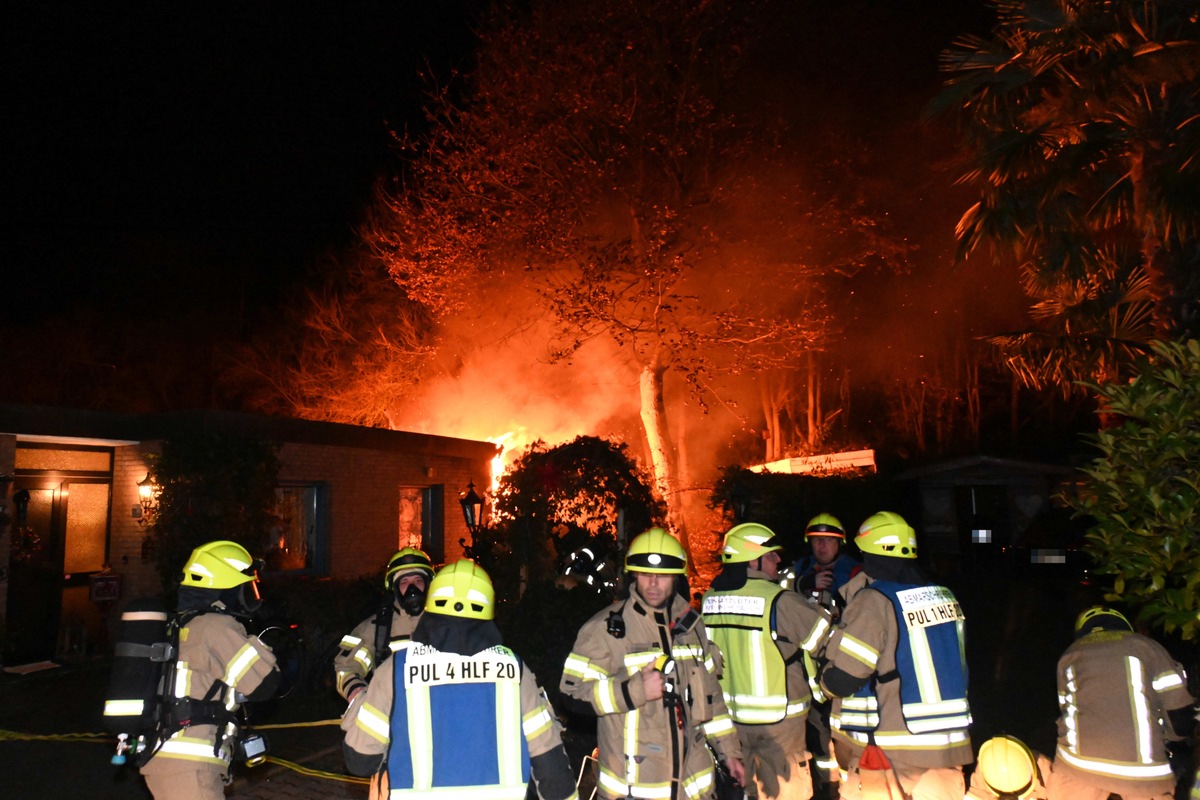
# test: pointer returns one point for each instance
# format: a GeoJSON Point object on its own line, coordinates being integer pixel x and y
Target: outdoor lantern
{"type": "Point", "coordinates": [472, 507]}
{"type": "Point", "coordinates": [148, 492]}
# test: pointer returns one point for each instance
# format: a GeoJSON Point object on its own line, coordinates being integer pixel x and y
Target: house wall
{"type": "Point", "coordinates": [139, 577]}
{"type": "Point", "coordinates": [364, 494]}
{"type": "Point", "coordinates": [8, 460]}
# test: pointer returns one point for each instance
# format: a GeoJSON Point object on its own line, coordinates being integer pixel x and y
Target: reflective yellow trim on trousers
{"type": "Point", "coordinates": [693, 786]}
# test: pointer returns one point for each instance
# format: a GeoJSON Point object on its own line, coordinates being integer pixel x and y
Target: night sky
{"type": "Point", "coordinates": [200, 148]}
{"type": "Point", "coordinates": [169, 157]}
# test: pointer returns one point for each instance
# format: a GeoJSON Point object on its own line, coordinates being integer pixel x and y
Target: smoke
{"type": "Point", "coordinates": [500, 382]}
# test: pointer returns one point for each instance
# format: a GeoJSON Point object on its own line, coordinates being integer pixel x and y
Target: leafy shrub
{"type": "Point", "coordinates": [1144, 491]}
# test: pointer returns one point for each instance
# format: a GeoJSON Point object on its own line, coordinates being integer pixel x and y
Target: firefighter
{"type": "Point", "coordinates": [456, 713]}
{"type": "Point", "coordinates": [1008, 770]}
{"type": "Point", "coordinates": [1121, 699]}
{"type": "Point", "coordinates": [646, 667]}
{"type": "Point", "coordinates": [763, 633]}
{"type": "Point", "coordinates": [217, 668]}
{"type": "Point", "coordinates": [375, 638]}
{"type": "Point", "coordinates": [828, 577]}
{"type": "Point", "coordinates": [821, 575]}
{"type": "Point", "coordinates": [897, 670]}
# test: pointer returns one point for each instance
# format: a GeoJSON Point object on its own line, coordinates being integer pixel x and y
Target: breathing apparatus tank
{"type": "Point", "coordinates": [142, 657]}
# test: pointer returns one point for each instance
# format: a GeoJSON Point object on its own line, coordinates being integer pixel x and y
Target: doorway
{"type": "Point", "coordinates": [60, 531]}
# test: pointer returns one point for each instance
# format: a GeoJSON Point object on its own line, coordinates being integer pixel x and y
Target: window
{"type": "Point", "coordinates": [420, 520]}
{"type": "Point", "coordinates": [298, 540]}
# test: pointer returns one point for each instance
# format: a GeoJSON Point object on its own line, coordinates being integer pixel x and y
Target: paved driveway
{"type": "Point", "coordinates": [69, 700]}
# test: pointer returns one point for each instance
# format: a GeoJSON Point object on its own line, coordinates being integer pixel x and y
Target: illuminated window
{"type": "Point", "coordinates": [298, 540]}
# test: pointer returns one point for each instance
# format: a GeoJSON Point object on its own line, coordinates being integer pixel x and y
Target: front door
{"type": "Point", "coordinates": [58, 539]}
{"type": "Point", "coordinates": [35, 573]}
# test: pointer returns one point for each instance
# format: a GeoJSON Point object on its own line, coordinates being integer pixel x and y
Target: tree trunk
{"type": "Point", "coordinates": [814, 404]}
{"type": "Point", "coordinates": [662, 453]}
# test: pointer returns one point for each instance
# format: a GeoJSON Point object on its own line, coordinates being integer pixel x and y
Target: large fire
{"type": "Point", "coordinates": [505, 443]}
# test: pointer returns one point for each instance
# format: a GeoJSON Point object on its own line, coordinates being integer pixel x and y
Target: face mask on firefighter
{"type": "Point", "coordinates": [412, 600]}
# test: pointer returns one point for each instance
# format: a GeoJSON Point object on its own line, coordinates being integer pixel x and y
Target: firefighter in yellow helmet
{"type": "Point", "coordinates": [1008, 770]}
{"type": "Point", "coordinates": [763, 632]}
{"type": "Point", "coordinates": [821, 575]}
{"type": "Point", "coordinates": [646, 667]}
{"type": "Point", "coordinates": [897, 670]}
{"type": "Point", "coordinates": [829, 576]}
{"type": "Point", "coordinates": [217, 668]}
{"type": "Point", "coordinates": [1121, 699]}
{"type": "Point", "coordinates": [456, 713]}
{"type": "Point", "coordinates": [373, 640]}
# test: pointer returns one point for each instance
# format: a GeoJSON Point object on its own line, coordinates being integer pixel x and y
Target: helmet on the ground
{"type": "Point", "coordinates": [656, 551]}
{"type": "Point", "coordinates": [1008, 767]}
{"type": "Point", "coordinates": [405, 561]}
{"type": "Point", "coordinates": [825, 525]}
{"type": "Point", "coordinates": [887, 534]}
{"type": "Point", "coordinates": [1100, 617]}
{"type": "Point", "coordinates": [747, 542]}
{"type": "Point", "coordinates": [462, 589]}
{"type": "Point", "coordinates": [218, 565]}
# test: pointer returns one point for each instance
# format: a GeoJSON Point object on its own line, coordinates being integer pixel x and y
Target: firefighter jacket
{"type": "Point", "coordinates": [356, 658]}
{"type": "Point", "coordinates": [763, 633]}
{"type": "Point", "coordinates": [1115, 688]}
{"type": "Point", "coordinates": [217, 661]}
{"type": "Point", "coordinates": [651, 749]}
{"type": "Point", "coordinates": [906, 645]}
{"type": "Point", "coordinates": [447, 721]}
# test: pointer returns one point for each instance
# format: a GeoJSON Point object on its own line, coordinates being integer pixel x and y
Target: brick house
{"type": "Point", "coordinates": [72, 530]}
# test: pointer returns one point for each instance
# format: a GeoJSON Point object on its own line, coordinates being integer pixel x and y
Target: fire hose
{"type": "Point", "coordinates": [104, 738]}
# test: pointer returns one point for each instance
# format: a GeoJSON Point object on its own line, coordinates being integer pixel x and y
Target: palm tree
{"type": "Point", "coordinates": [1082, 118]}
{"type": "Point", "coordinates": [1087, 330]}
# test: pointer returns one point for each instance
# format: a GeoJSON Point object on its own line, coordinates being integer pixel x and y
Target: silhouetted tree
{"type": "Point", "coordinates": [590, 155]}
{"type": "Point", "coordinates": [352, 350]}
{"type": "Point", "coordinates": [213, 487]}
{"type": "Point", "coordinates": [1083, 121]}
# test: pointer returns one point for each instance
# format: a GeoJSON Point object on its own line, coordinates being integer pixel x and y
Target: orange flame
{"type": "Point", "coordinates": [498, 465]}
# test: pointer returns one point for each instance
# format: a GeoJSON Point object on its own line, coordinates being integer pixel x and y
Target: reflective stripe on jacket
{"type": "Point", "coordinates": [356, 658]}
{"type": "Point", "coordinates": [650, 749]}
{"type": "Point", "coordinates": [433, 694]}
{"type": "Point", "coordinates": [213, 649]}
{"type": "Point", "coordinates": [930, 664]}
{"type": "Point", "coordinates": [754, 676]}
{"type": "Point", "coordinates": [1114, 690]}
